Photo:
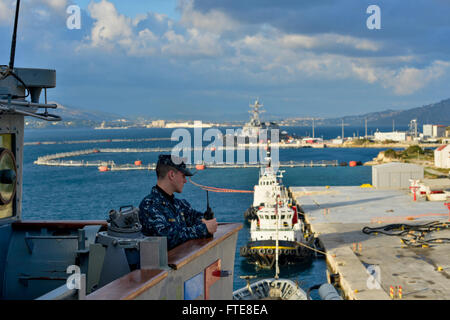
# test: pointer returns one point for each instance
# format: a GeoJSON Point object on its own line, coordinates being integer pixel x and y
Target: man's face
{"type": "Point", "coordinates": [178, 181]}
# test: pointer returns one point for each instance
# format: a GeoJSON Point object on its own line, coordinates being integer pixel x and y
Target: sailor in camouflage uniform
{"type": "Point", "coordinates": [161, 214]}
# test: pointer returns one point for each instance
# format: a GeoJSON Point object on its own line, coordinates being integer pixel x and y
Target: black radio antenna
{"type": "Point", "coordinates": [209, 214]}
{"type": "Point", "coordinates": [14, 36]}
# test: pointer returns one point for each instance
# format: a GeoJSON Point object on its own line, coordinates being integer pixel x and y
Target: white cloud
{"type": "Point", "coordinates": [331, 41]}
{"type": "Point", "coordinates": [49, 6]}
{"type": "Point", "coordinates": [194, 43]}
{"type": "Point", "coordinates": [298, 41]}
{"type": "Point", "coordinates": [298, 57]}
{"type": "Point", "coordinates": [56, 4]}
{"type": "Point", "coordinates": [6, 12]}
{"type": "Point", "coordinates": [110, 26]}
{"type": "Point", "coordinates": [42, 14]}
{"type": "Point", "coordinates": [403, 80]}
{"type": "Point", "coordinates": [113, 30]}
{"type": "Point", "coordinates": [295, 53]}
{"type": "Point", "coordinates": [408, 80]}
{"type": "Point", "coordinates": [365, 73]}
{"type": "Point", "coordinates": [214, 21]}
{"type": "Point", "coordinates": [145, 44]}
{"type": "Point", "coordinates": [257, 50]}
{"type": "Point", "coordinates": [356, 43]}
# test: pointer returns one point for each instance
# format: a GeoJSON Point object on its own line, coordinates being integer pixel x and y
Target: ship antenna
{"type": "Point", "coordinates": [9, 71]}
{"type": "Point", "coordinates": [14, 36]}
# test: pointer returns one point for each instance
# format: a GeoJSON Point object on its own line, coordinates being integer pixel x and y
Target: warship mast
{"type": "Point", "coordinates": [255, 111]}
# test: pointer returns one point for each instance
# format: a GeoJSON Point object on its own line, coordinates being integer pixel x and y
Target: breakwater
{"type": "Point", "coordinates": [57, 160]}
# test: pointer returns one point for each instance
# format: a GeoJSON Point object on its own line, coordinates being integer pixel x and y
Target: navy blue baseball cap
{"type": "Point", "coordinates": [175, 162]}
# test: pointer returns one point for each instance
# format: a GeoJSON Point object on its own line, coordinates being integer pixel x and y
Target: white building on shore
{"type": "Point", "coordinates": [394, 136]}
{"type": "Point", "coordinates": [442, 156]}
{"type": "Point", "coordinates": [434, 130]}
{"type": "Point", "coordinates": [189, 124]}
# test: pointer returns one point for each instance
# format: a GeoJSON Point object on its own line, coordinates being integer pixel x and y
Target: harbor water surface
{"type": "Point", "coordinates": [73, 193]}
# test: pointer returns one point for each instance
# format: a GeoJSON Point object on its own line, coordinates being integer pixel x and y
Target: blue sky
{"type": "Point", "coordinates": [132, 8]}
{"type": "Point", "coordinates": [203, 59]}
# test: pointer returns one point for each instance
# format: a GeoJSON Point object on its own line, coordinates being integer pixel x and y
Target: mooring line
{"type": "Point", "coordinates": [215, 189]}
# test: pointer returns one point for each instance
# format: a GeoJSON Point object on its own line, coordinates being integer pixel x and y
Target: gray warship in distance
{"type": "Point", "coordinates": [255, 131]}
{"type": "Point", "coordinates": [103, 259]}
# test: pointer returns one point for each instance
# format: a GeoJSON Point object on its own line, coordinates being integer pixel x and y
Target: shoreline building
{"type": "Point", "coordinates": [434, 130]}
{"type": "Point", "coordinates": [442, 156]}
{"type": "Point", "coordinates": [394, 136]}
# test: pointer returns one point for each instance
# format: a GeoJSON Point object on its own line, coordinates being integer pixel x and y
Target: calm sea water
{"type": "Point", "coordinates": [85, 193]}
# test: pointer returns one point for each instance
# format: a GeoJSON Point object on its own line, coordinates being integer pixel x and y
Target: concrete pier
{"type": "Point", "coordinates": [375, 266]}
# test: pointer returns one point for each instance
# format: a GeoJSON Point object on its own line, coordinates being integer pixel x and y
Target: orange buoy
{"type": "Point", "coordinates": [138, 163]}
{"type": "Point", "coordinates": [352, 164]}
{"type": "Point", "coordinates": [96, 151]}
{"type": "Point", "coordinates": [200, 167]}
{"type": "Point", "coordinates": [103, 168]}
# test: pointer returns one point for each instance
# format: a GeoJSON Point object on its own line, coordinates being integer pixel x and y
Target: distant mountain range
{"type": "Point", "coordinates": [73, 117]}
{"type": "Point", "coordinates": [71, 114]}
{"type": "Point", "coordinates": [436, 113]}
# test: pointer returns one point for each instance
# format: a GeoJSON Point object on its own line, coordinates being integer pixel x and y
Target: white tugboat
{"type": "Point", "coordinates": [269, 185]}
{"type": "Point", "coordinates": [276, 288]}
{"type": "Point", "coordinates": [264, 234]}
{"type": "Point", "coordinates": [273, 288]}
{"type": "Point", "coordinates": [272, 205]}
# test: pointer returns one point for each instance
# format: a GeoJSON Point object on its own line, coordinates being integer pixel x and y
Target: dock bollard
{"type": "Point", "coordinates": [400, 292]}
{"type": "Point", "coordinates": [357, 246]}
{"type": "Point", "coordinates": [414, 189]}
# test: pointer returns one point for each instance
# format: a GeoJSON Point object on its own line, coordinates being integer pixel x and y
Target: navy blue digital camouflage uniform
{"type": "Point", "coordinates": [164, 215]}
